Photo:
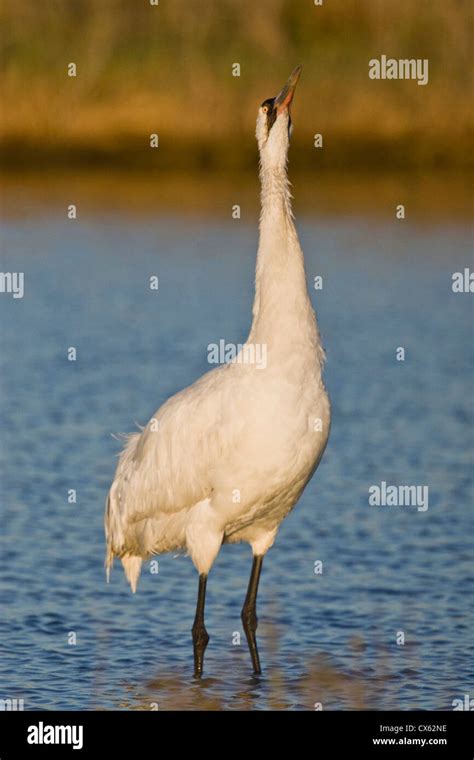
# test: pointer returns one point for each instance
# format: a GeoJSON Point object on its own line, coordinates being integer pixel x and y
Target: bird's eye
{"type": "Point", "coordinates": [265, 109]}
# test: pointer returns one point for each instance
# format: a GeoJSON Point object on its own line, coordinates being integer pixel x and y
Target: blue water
{"type": "Point", "coordinates": [325, 638]}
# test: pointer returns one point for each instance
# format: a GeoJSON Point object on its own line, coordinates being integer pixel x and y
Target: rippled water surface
{"type": "Point", "coordinates": [327, 638]}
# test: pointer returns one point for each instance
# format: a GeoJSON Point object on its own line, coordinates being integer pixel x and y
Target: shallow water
{"type": "Point", "coordinates": [327, 638]}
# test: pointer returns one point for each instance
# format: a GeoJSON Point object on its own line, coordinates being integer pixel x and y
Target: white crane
{"type": "Point", "coordinates": [226, 459]}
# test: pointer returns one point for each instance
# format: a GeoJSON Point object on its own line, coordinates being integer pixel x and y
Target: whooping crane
{"type": "Point", "coordinates": [240, 429]}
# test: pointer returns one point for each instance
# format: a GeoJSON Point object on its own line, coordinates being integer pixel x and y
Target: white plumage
{"type": "Point", "coordinates": [227, 458]}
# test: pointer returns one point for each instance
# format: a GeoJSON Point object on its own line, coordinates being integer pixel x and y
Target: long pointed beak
{"type": "Point", "coordinates": [284, 98]}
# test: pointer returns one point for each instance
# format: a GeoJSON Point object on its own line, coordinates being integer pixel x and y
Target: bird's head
{"type": "Point", "coordinates": [274, 122]}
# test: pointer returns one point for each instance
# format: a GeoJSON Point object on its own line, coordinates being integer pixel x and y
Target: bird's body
{"type": "Point", "coordinates": [227, 458]}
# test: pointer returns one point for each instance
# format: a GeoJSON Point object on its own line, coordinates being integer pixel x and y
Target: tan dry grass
{"type": "Point", "coordinates": [168, 69]}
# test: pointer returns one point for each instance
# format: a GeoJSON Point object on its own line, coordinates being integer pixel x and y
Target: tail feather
{"type": "Point", "coordinates": [113, 530]}
{"type": "Point", "coordinates": [132, 566]}
{"type": "Point", "coordinates": [109, 562]}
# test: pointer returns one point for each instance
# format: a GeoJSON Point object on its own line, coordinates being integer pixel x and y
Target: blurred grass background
{"type": "Point", "coordinates": [168, 69]}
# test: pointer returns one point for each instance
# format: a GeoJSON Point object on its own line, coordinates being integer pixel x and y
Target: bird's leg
{"type": "Point", "coordinates": [200, 635]}
{"type": "Point", "coordinates": [249, 612]}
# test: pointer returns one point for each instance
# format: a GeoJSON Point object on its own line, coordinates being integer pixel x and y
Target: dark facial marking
{"type": "Point", "coordinates": [271, 112]}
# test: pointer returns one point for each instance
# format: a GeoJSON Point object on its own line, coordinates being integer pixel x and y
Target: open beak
{"type": "Point", "coordinates": [284, 98]}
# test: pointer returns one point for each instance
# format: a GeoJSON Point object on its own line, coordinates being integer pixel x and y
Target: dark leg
{"type": "Point", "coordinates": [200, 635]}
{"type": "Point", "coordinates": [249, 613]}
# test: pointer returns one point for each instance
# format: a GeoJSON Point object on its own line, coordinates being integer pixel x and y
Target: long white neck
{"type": "Point", "coordinates": [283, 317]}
